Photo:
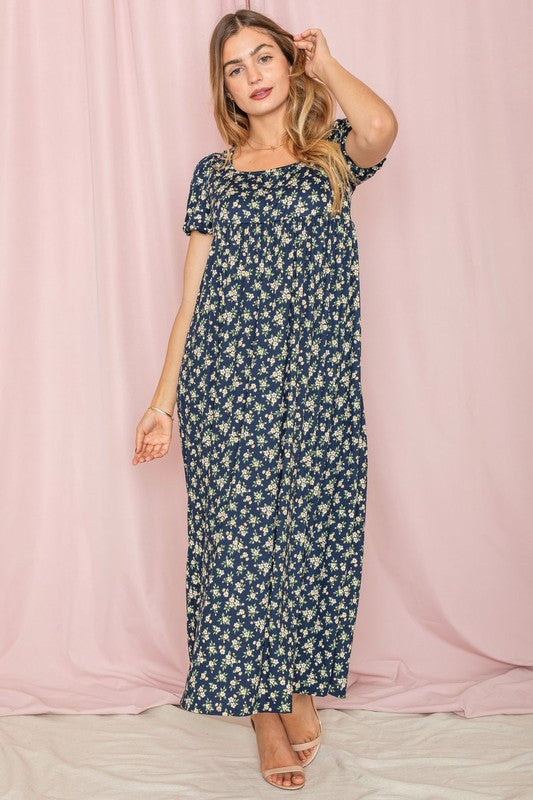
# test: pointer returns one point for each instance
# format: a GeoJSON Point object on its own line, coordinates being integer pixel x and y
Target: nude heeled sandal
{"type": "Point", "coordinates": [314, 743]}
{"type": "Point", "coordinates": [292, 768]}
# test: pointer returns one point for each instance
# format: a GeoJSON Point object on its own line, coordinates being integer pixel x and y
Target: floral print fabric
{"type": "Point", "coordinates": [272, 428]}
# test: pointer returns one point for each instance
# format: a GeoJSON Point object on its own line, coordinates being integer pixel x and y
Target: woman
{"type": "Point", "coordinates": [265, 353]}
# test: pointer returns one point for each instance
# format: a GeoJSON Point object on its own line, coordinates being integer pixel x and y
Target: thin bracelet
{"type": "Point", "coordinates": [162, 412]}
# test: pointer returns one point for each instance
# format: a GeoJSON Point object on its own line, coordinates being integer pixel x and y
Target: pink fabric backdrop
{"type": "Point", "coordinates": [105, 110]}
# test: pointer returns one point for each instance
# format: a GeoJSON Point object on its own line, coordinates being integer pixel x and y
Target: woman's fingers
{"type": "Point", "coordinates": [144, 455]}
{"type": "Point", "coordinates": [150, 451]}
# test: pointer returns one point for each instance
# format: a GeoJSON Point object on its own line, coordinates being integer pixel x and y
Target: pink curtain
{"type": "Point", "coordinates": [105, 109]}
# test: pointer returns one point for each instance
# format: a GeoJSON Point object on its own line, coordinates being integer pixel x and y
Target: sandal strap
{"type": "Point", "coordinates": [307, 745]}
{"type": "Point", "coordinates": [292, 768]}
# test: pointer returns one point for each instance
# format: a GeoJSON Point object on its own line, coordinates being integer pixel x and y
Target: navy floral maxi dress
{"type": "Point", "coordinates": [273, 437]}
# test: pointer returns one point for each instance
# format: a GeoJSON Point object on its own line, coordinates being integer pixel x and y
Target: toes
{"type": "Point", "coordinates": [286, 779]}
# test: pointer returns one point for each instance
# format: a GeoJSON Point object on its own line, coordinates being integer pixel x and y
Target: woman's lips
{"type": "Point", "coordinates": [261, 96]}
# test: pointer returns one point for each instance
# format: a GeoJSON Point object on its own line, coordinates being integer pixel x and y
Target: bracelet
{"type": "Point", "coordinates": [162, 412]}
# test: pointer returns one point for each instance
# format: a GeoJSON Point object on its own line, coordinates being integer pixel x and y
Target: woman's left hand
{"type": "Point", "coordinates": [316, 49]}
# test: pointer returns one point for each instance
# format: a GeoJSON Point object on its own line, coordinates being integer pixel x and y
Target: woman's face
{"type": "Point", "coordinates": [265, 68]}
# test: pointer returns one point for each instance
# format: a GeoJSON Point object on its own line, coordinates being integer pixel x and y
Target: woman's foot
{"type": "Point", "coordinates": [275, 749]}
{"type": "Point", "coordinates": [300, 723]}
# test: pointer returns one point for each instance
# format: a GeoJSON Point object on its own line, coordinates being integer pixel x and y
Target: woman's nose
{"type": "Point", "coordinates": [254, 77]}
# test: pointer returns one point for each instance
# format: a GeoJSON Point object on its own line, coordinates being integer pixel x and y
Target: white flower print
{"type": "Point", "coordinates": [272, 426]}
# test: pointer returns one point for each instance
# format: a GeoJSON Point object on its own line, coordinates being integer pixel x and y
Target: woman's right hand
{"type": "Point", "coordinates": [152, 438]}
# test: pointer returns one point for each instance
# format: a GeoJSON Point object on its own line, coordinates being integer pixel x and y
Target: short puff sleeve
{"type": "Point", "coordinates": [198, 214]}
{"type": "Point", "coordinates": [339, 133]}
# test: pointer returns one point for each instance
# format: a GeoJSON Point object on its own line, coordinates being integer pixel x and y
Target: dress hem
{"type": "Point", "coordinates": [285, 708]}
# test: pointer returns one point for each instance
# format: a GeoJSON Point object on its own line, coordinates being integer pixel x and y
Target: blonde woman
{"type": "Point", "coordinates": [264, 362]}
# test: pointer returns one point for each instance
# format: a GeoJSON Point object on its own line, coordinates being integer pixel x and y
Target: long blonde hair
{"type": "Point", "coordinates": [310, 104]}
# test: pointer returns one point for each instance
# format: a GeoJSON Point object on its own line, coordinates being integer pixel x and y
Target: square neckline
{"type": "Point", "coordinates": [257, 171]}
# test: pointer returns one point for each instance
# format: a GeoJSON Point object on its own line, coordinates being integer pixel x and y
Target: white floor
{"type": "Point", "coordinates": [167, 753]}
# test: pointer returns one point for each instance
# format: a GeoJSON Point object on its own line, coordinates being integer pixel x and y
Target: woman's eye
{"type": "Point", "coordinates": [233, 71]}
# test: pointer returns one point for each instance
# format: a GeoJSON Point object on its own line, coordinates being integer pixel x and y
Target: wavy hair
{"type": "Point", "coordinates": [310, 104]}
